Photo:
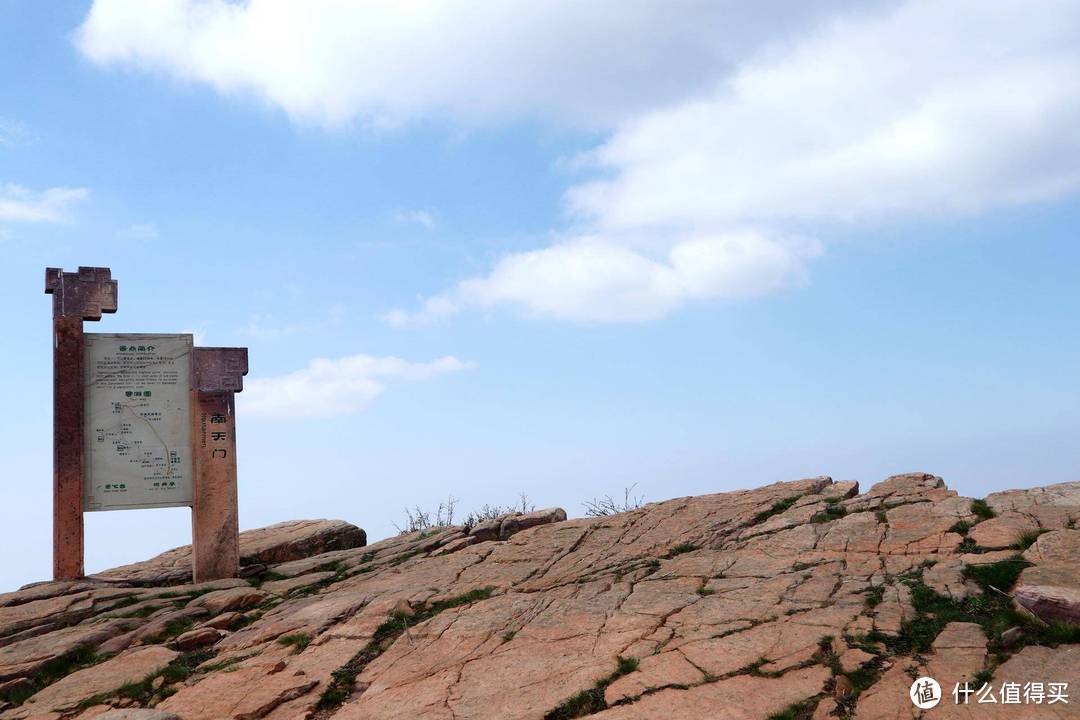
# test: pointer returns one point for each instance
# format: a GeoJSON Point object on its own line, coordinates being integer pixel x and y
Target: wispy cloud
{"type": "Point", "coordinates": [269, 326]}
{"type": "Point", "coordinates": [423, 218]}
{"type": "Point", "coordinates": [139, 231]}
{"type": "Point", "coordinates": [19, 204]}
{"type": "Point", "coordinates": [329, 388]}
{"type": "Point", "coordinates": [14, 133]}
{"type": "Point", "coordinates": [589, 279]}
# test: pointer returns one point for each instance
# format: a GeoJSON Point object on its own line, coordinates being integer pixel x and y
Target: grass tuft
{"type": "Point", "coordinates": [832, 511]}
{"type": "Point", "coordinates": [961, 527]}
{"type": "Point", "coordinates": [1028, 539]}
{"type": "Point", "coordinates": [680, 549]}
{"type": "Point", "coordinates": [296, 640]}
{"type": "Point", "coordinates": [803, 710]}
{"type": "Point", "coordinates": [592, 700]}
{"type": "Point", "coordinates": [982, 510]}
{"type": "Point", "coordinates": [777, 508]}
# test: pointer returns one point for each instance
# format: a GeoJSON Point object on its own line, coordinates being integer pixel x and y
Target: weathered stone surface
{"type": "Point", "coordinates": [523, 521]}
{"type": "Point", "coordinates": [232, 600]}
{"type": "Point", "coordinates": [738, 698]}
{"type": "Point", "coordinates": [957, 653]}
{"type": "Point", "coordinates": [193, 639]}
{"type": "Point", "coordinates": [488, 529]}
{"type": "Point", "coordinates": [26, 657]}
{"type": "Point", "coordinates": [57, 610]}
{"type": "Point", "coordinates": [1002, 531]}
{"type": "Point", "coordinates": [1063, 495]}
{"type": "Point", "coordinates": [46, 590]}
{"type": "Point", "coordinates": [284, 587]}
{"type": "Point", "coordinates": [274, 544]}
{"type": "Point", "coordinates": [299, 539]}
{"type": "Point", "coordinates": [1049, 603]}
{"type": "Point", "coordinates": [712, 596]}
{"type": "Point", "coordinates": [654, 672]}
{"type": "Point", "coordinates": [137, 714]}
{"type": "Point", "coordinates": [66, 694]}
{"type": "Point", "coordinates": [157, 629]}
{"type": "Point", "coordinates": [224, 621]}
{"type": "Point", "coordinates": [1051, 588]}
{"type": "Point", "coordinates": [245, 694]}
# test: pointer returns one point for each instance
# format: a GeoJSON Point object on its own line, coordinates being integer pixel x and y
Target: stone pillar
{"type": "Point", "coordinates": [217, 375]}
{"type": "Point", "coordinates": [77, 296]}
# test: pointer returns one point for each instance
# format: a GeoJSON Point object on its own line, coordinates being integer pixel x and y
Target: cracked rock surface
{"type": "Point", "coordinates": [804, 596]}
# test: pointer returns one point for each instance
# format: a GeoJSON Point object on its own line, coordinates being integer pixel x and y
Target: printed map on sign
{"type": "Point", "coordinates": [138, 421]}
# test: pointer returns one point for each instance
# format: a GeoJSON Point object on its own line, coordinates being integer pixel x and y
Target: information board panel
{"type": "Point", "coordinates": [138, 421]}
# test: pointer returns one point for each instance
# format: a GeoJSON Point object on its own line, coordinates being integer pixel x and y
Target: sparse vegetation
{"type": "Point", "coordinates": [993, 610]}
{"type": "Point", "coordinates": [832, 511]}
{"type": "Point", "coordinates": [343, 680]}
{"type": "Point", "coordinates": [799, 711]}
{"type": "Point", "coordinates": [424, 521]}
{"type": "Point", "coordinates": [142, 691]}
{"type": "Point", "coordinates": [602, 507]}
{"type": "Point", "coordinates": [968, 545]}
{"type": "Point", "coordinates": [592, 700]}
{"type": "Point", "coordinates": [490, 512]}
{"type": "Point", "coordinates": [419, 520]}
{"type": "Point", "coordinates": [681, 548]}
{"type": "Point", "coordinates": [982, 510]}
{"type": "Point", "coordinates": [184, 666]}
{"type": "Point", "coordinates": [777, 508]}
{"type": "Point", "coordinates": [52, 671]}
{"type": "Point", "coordinates": [1028, 539]}
{"type": "Point", "coordinates": [296, 640]}
{"type": "Point", "coordinates": [961, 527]}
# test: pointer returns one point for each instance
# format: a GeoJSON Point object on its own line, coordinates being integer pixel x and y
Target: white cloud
{"type": "Point", "coordinates": [139, 231]}
{"type": "Point", "coordinates": [19, 204]}
{"type": "Point", "coordinates": [331, 61]}
{"type": "Point", "coordinates": [718, 117]}
{"type": "Point", "coordinates": [935, 108]}
{"type": "Point", "coordinates": [423, 218]}
{"type": "Point", "coordinates": [328, 388]}
{"type": "Point", "coordinates": [931, 109]}
{"type": "Point", "coordinates": [592, 280]}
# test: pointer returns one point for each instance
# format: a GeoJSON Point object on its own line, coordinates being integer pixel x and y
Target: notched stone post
{"type": "Point", "coordinates": [77, 297]}
{"type": "Point", "coordinates": [217, 375]}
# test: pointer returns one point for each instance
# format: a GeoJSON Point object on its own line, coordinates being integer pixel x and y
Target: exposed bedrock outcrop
{"type": "Point", "coordinates": [804, 595]}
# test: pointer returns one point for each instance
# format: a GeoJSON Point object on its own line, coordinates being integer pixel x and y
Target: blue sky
{"type": "Point", "coordinates": [558, 250]}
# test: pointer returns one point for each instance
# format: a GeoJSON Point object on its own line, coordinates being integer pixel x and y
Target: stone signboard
{"type": "Point", "coordinates": [138, 421]}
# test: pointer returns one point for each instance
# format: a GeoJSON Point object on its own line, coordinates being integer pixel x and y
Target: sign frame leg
{"type": "Point", "coordinates": [76, 297]}
{"type": "Point", "coordinates": [217, 375]}
{"type": "Point", "coordinates": [215, 524]}
{"type": "Point", "coordinates": [68, 420]}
